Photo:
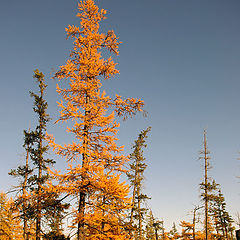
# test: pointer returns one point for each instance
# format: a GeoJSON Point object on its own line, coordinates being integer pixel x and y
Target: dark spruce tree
{"type": "Point", "coordinates": [136, 177]}
{"type": "Point", "coordinates": [21, 202]}
{"type": "Point", "coordinates": [34, 200]}
{"type": "Point", "coordinates": [221, 218]}
{"type": "Point", "coordinates": [38, 150]}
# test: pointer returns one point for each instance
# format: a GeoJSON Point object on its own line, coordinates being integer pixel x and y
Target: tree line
{"type": "Point", "coordinates": [88, 200]}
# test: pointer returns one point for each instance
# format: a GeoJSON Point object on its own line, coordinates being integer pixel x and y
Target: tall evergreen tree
{"type": "Point", "coordinates": [33, 199]}
{"type": "Point", "coordinates": [38, 151]}
{"type": "Point", "coordinates": [136, 177]}
{"type": "Point", "coordinates": [94, 160]}
{"type": "Point", "coordinates": [47, 203]}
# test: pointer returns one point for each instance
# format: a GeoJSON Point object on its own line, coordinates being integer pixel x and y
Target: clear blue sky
{"type": "Point", "coordinates": [182, 57]}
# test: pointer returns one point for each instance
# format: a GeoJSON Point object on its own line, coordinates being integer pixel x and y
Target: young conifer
{"type": "Point", "coordinates": [39, 149]}
{"type": "Point", "coordinates": [46, 204]}
{"type": "Point", "coordinates": [95, 162]}
{"type": "Point", "coordinates": [222, 219]}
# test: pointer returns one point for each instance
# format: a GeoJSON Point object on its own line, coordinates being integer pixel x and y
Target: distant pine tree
{"type": "Point", "coordinates": [136, 177]}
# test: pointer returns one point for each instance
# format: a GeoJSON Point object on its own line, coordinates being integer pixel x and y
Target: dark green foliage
{"type": "Point", "coordinates": [23, 170]}
{"type": "Point", "coordinates": [211, 186]}
{"type": "Point", "coordinates": [136, 177]}
{"type": "Point", "coordinates": [38, 149]}
{"type": "Point", "coordinates": [54, 211]}
{"type": "Point", "coordinates": [33, 175]}
{"type": "Point", "coordinates": [221, 218]}
{"type": "Point", "coordinates": [215, 206]}
{"type": "Point", "coordinates": [36, 137]}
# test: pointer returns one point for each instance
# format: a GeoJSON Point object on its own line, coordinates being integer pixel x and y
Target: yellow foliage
{"type": "Point", "coordinates": [95, 162]}
{"type": "Point", "coordinates": [10, 227]}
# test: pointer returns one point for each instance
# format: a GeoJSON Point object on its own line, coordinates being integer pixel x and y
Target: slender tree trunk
{"type": "Point", "coordinates": [139, 203]}
{"type": "Point", "coordinates": [133, 199]}
{"type": "Point", "coordinates": [103, 212]}
{"type": "Point", "coordinates": [206, 184]}
{"type": "Point", "coordinates": [38, 220]}
{"type": "Point", "coordinates": [39, 214]}
{"type": "Point", "coordinates": [81, 211]}
{"type": "Point", "coordinates": [81, 208]}
{"type": "Point", "coordinates": [40, 163]}
{"type": "Point", "coordinates": [139, 215]}
{"type": "Point", "coordinates": [82, 197]}
{"type": "Point", "coordinates": [25, 230]}
{"type": "Point", "coordinates": [226, 231]}
{"type": "Point", "coordinates": [194, 222]}
{"type": "Point", "coordinates": [163, 233]}
{"type": "Point", "coordinates": [156, 234]}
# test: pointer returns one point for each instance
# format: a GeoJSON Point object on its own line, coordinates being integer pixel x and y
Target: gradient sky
{"type": "Point", "coordinates": [182, 57]}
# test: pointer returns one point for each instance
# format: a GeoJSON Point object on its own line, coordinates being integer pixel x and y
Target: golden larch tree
{"type": "Point", "coordinates": [10, 224]}
{"type": "Point", "coordinates": [95, 162]}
